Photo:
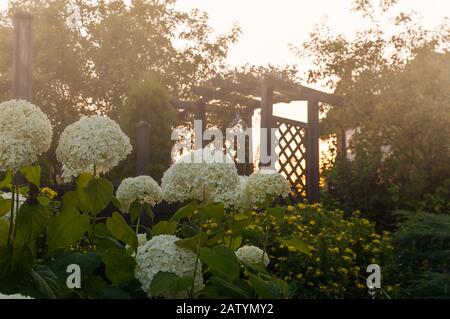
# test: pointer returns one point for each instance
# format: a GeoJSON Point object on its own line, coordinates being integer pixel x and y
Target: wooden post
{"type": "Point", "coordinates": [142, 147]}
{"type": "Point", "coordinates": [266, 122]}
{"type": "Point", "coordinates": [312, 153]}
{"type": "Point", "coordinates": [22, 56]}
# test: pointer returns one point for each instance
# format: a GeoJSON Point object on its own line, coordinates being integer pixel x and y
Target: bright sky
{"type": "Point", "coordinates": [268, 26]}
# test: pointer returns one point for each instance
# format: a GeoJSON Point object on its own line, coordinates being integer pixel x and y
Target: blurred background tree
{"type": "Point", "coordinates": [87, 54]}
{"type": "Point", "coordinates": [395, 79]}
{"type": "Point", "coordinates": [149, 101]}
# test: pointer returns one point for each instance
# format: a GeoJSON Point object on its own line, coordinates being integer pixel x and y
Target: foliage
{"type": "Point", "coordinates": [422, 250]}
{"type": "Point", "coordinates": [396, 91]}
{"type": "Point", "coordinates": [103, 47]}
{"type": "Point", "coordinates": [331, 257]}
{"type": "Point", "coordinates": [148, 100]}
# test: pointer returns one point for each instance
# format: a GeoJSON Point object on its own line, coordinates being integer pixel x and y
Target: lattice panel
{"type": "Point", "coordinates": [291, 152]}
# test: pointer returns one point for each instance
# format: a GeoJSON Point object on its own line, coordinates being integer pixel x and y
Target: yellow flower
{"type": "Point", "coordinates": [334, 250]}
{"type": "Point", "coordinates": [48, 192]}
{"type": "Point", "coordinates": [348, 250]}
{"type": "Point", "coordinates": [346, 258]}
{"type": "Point", "coordinates": [299, 276]}
{"type": "Point", "coordinates": [290, 208]}
{"type": "Point", "coordinates": [312, 222]}
{"type": "Point", "coordinates": [343, 270]}
{"type": "Point", "coordinates": [291, 248]}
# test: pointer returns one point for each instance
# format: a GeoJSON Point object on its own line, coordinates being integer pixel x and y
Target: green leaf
{"type": "Point", "coordinates": [215, 211]}
{"type": "Point", "coordinates": [88, 262]}
{"type": "Point", "coordinates": [299, 245]}
{"type": "Point", "coordinates": [228, 289]}
{"type": "Point", "coordinates": [222, 261]}
{"type": "Point", "coordinates": [15, 263]}
{"type": "Point", "coordinates": [66, 228]}
{"type": "Point", "coordinates": [167, 283]}
{"type": "Point", "coordinates": [69, 200]}
{"type": "Point", "coordinates": [119, 265]}
{"type": "Point", "coordinates": [183, 212]}
{"type": "Point", "coordinates": [237, 241]}
{"type": "Point", "coordinates": [192, 242]}
{"type": "Point", "coordinates": [4, 228]}
{"type": "Point", "coordinates": [135, 211]}
{"type": "Point", "coordinates": [7, 180]}
{"type": "Point", "coordinates": [149, 211]}
{"type": "Point", "coordinates": [97, 195]}
{"type": "Point", "coordinates": [264, 289]}
{"type": "Point", "coordinates": [46, 282]}
{"type": "Point", "coordinates": [119, 228]}
{"type": "Point", "coordinates": [278, 212]}
{"type": "Point", "coordinates": [31, 223]}
{"type": "Point", "coordinates": [164, 227]}
{"type": "Point", "coordinates": [254, 235]}
{"type": "Point", "coordinates": [5, 206]}
{"type": "Point", "coordinates": [32, 174]}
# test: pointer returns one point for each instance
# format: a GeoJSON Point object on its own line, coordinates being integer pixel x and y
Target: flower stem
{"type": "Point", "coordinates": [197, 255]}
{"type": "Point", "coordinates": [11, 214]}
{"type": "Point", "coordinates": [137, 224]}
{"type": "Point", "coordinates": [233, 214]}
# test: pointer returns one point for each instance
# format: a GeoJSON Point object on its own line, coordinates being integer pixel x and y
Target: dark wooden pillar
{"type": "Point", "coordinates": [312, 153]}
{"type": "Point", "coordinates": [142, 147]}
{"type": "Point", "coordinates": [266, 122]}
{"type": "Point", "coordinates": [22, 56]}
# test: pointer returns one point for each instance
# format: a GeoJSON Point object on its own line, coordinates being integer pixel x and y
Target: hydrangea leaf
{"type": "Point", "coordinates": [119, 265]}
{"type": "Point", "coordinates": [164, 227]}
{"type": "Point", "coordinates": [169, 283]}
{"type": "Point", "coordinates": [222, 261]}
{"type": "Point", "coordinates": [66, 228]}
{"type": "Point", "coordinates": [183, 212]}
{"type": "Point", "coordinates": [31, 223]}
{"type": "Point", "coordinates": [119, 228]}
{"type": "Point", "coordinates": [32, 174]}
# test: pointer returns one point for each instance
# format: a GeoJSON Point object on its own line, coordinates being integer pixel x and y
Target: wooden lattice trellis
{"type": "Point", "coordinates": [298, 148]}
{"type": "Point", "coordinates": [291, 151]}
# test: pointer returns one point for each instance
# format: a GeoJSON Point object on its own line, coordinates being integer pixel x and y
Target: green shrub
{"type": "Point", "coordinates": [422, 250]}
{"type": "Point", "coordinates": [340, 249]}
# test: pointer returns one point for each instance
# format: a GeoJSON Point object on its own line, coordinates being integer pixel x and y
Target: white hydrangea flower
{"type": "Point", "coordinates": [92, 141]}
{"type": "Point", "coordinates": [264, 185]}
{"type": "Point", "coordinates": [22, 200]}
{"type": "Point", "coordinates": [142, 188]}
{"type": "Point", "coordinates": [209, 181]}
{"type": "Point", "coordinates": [252, 255]}
{"type": "Point", "coordinates": [162, 254]}
{"type": "Point", "coordinates": [14, 296]}
{"type": "Point", "coordinates": [142, 239]}
{"type": "Point", "coordinates": [25, 133]}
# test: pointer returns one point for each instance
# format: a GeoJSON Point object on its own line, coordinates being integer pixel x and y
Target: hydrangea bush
{"type": "Point", "coordinates": [25, 133]}
{"type": "Point", "coordinates": [94, 144]}
{"type": "Point", "coordinates": [228, 240]}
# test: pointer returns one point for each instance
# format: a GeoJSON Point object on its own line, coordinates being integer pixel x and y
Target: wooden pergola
{"type": "Point", "coordinates": [299, 141]}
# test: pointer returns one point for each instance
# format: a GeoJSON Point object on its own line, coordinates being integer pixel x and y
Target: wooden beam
{"type": "Point", "coordinates": [312, 153]}
{"type": "Point", "coordinates": [22, 56]}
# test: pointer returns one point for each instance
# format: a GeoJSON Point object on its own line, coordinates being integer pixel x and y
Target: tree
{"type": "Point", "coordinates": [396, 89]}
{"type": "Point", "coordinates": [149, 101]}
{"type": "Point", "coordinates": [88, 53]}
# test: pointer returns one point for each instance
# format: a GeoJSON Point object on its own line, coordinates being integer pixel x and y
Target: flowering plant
{"type": "Point", "coordinates": [94, 144]}
{"type": "Point", "coordinates": [25, 133]}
